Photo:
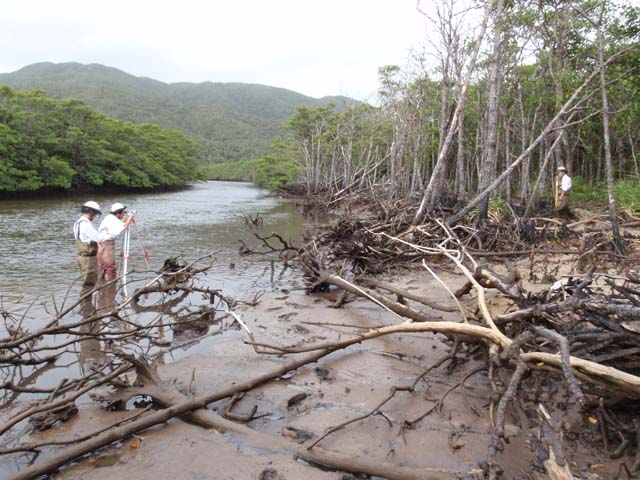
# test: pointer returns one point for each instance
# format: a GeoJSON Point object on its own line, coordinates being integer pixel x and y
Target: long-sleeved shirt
{"type": "Point", "coordinates": [112, 226]}
{"type": "Point", "coordinates": [565, 184]}
{"type": "Point", "coordinates": [84, 231]}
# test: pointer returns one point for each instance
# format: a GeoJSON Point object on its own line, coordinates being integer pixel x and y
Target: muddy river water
{"type": "Point", "coordinates": [38, 252]}
{"type": "Point", "coordinates": [39, 271]}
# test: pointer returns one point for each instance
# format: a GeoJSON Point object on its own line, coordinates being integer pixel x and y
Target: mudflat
{"type": "Point", "coordinates": [303, 405]}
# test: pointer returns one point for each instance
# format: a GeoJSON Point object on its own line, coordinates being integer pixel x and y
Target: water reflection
{"type": "Point", "coordinates": [20, 380]}
{"type": "Point", "coordinates": [91, 355]}
{"type": "Point", "coordinates": [106, 296]}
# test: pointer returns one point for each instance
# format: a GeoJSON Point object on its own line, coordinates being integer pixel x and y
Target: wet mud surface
{"type": "Point", "coordinates": [302, 405]}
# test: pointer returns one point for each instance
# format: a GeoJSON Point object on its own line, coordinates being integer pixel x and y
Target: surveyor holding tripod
{"type": "Point", "coordinates": [112, 226]}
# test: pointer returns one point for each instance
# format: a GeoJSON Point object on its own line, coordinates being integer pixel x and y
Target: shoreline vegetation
{"type": "Point", "coordinates": [228, 121]}
{"type": "Point", "coordinates": [274, 170]}
{"type": "Point", "coordinates": [49, 145]}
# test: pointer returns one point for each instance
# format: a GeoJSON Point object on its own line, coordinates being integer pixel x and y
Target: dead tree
{"type": "Point", "coordinates": [432, 192]}
{"type": "Point", "coordinates": [490, 152]}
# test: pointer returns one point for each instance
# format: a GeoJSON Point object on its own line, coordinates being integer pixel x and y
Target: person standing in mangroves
{"type": "Point", "coordinates": [563, 192]}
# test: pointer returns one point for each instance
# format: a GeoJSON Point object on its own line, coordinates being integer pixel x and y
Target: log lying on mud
{"type": "Point", "coordinates": [176, 405]}
{"type": "Point", "coordinates": [621, 382]}
{"type": "Point", "coordinates": [535, 337]}
{"type": "Point", "coordinates": [575, 314]}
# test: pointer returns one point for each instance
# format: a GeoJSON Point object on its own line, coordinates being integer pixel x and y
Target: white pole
{"type": "Point", "coordinates": [125, 249]}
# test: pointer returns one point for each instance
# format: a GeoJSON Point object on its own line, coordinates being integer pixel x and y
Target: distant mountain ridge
{"type": "Point", "coordinates": [232, 121]}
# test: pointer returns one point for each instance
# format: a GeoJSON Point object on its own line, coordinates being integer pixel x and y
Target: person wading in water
{"type": "Point", "coordinates": [87, 239]}
{"type": "Point", "coordinates": [113, 226]}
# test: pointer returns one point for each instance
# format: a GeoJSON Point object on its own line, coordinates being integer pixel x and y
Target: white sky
{"type": "Point", "coordinates": [322, 47]}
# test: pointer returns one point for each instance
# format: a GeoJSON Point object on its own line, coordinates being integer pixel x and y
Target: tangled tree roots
{"type": "Point", "coordinates": [382, 237]}
{"type": "Point", "coordinates": [580, 335]}
{"type": "Point", "coordinates": [583, 329]}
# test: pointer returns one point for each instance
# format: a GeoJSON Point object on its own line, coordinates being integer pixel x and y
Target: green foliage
{"type": "Point", "coordinates": [330, 146]}
{"type": "Point", "coordinates": [243, 170]}
{"type": "Point", "coordinates": [49, 144]}
{"type": "Point", "coordinates": [584, 194]}
{"type": "Point", "coordinates": [278, 168]}
{"type": "Point", "coordinates": [273, 170]}
{"type": "Point", "coordinates": [627, 193]}
{"type": "Point", "coordinates": [230, 121]}
{"type": "Point", "coordinates": [497, 209]}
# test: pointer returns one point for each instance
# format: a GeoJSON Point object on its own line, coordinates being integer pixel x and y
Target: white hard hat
{"type": "Point", "coordinates": [117, 206]}
{"type": "Point", "coordinates": [93, 206]}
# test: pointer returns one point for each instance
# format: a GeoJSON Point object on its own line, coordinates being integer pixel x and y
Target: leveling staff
{"type": "Point", "coordinates": [87, 239]}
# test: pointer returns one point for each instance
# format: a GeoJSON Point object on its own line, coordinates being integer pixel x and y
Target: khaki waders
{"type": "Point", "coordinates": [88, 264]}
{"type": "Point", "coordinates": [562, 207]}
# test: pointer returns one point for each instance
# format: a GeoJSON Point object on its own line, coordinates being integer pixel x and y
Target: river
{"type": "Point", "coordinates": [39, 271]}
{"type": "Point", "coordinates": [38, 251]}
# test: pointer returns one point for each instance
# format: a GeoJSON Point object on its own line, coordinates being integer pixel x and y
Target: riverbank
{"type": "Point", "coordinates": [303, 405]}
{"type": "Point", "coordinates": [413, 375]}
{"type": "Point", "coordinates": [45, 194]}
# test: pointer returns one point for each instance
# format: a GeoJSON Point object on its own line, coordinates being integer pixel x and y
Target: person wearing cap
{"type": "Point", "coordinates": [563, 185]}
{"type": "Point", "coordinates": [87, 239]}
{"type": "Point", "coordinates": [112, 226]}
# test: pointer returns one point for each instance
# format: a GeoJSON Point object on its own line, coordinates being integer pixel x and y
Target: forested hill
{"type": "Point", "coordinates": [232, 121]}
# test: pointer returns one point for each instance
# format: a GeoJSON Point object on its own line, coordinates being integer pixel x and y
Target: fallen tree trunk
{"type": "Point", "coordinates": [624, 383]}
{"type": "Point", "coordinates": [169, 396]}
{"type": "Point", "coordinates": [195, 410]}
{"type": "Point", "coordinates": [72, 453]}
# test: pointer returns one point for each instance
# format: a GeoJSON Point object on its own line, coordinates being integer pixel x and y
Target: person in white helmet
{"type": "Point", "coordinates": [87, 239]}
{"type": "Point", "coordinates": [112, 225]}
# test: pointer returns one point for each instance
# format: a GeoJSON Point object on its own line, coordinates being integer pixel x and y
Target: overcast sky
{"type": "Point", "coordinates": [322, 47]}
